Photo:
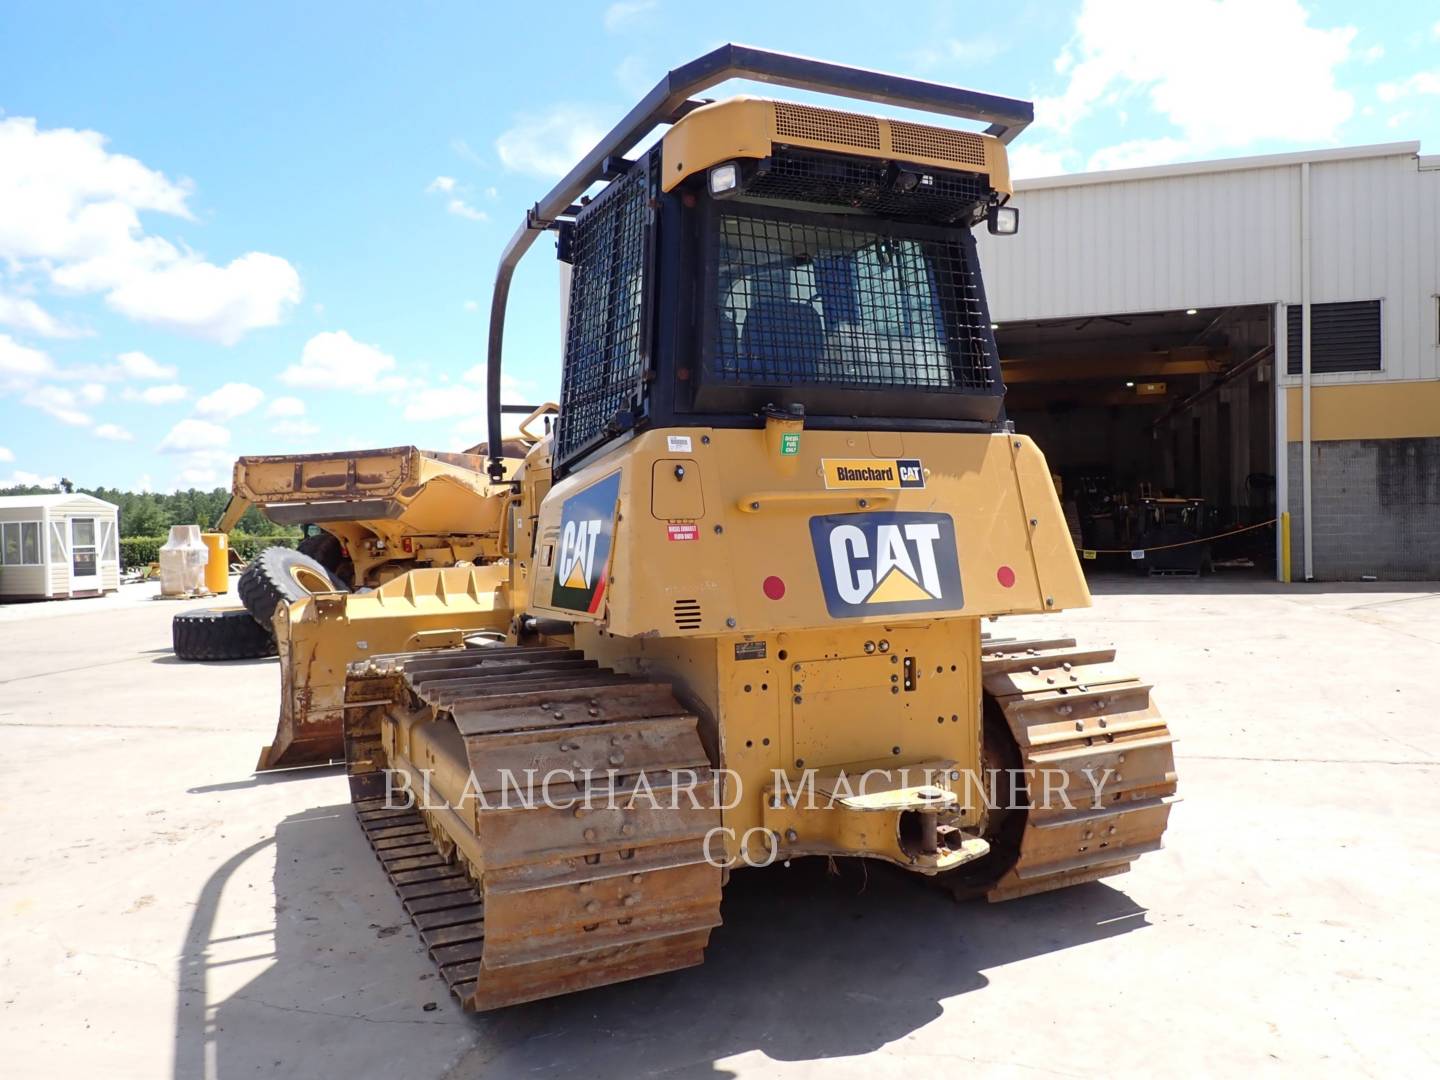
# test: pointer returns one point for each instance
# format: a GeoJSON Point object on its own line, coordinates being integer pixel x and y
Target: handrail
{"type": "Point", "coordinates": [670, 99]}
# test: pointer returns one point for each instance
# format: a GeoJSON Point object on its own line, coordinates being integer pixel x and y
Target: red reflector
{"type": "Point", "coordinates": [774, 587]}
{"type": "Point", "coordinates": [1005, 576]}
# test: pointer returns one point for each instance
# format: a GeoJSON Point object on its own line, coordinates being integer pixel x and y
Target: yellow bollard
{"type": "Point", "coordinates": [217, 568]}
{"type": "Point", "coordinates": [1285, 546]}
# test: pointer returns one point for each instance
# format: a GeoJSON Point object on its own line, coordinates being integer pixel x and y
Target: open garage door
{"type": "Point", "coordinates": [1159, 428]}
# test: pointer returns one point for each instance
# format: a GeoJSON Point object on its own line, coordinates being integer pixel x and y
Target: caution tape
{"type": "Point", "coordinates": [1140, 553]}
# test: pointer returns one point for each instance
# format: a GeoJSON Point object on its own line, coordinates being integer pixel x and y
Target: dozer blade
{"type": "Point", "coordinates": [528, 900]}
{"type": "Point", "coordinates": [318, 637]}
{"type": "Point", "coordinates": [1099, 770]}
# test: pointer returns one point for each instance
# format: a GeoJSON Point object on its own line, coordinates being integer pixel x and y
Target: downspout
{"type": "Point", "coordinates": [1305, 470]}
{"type": "Point", "coordinates": [1282, 438]}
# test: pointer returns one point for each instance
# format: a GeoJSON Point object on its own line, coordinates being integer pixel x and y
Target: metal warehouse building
{"type": "Point", "coordinates": [1149, 319]}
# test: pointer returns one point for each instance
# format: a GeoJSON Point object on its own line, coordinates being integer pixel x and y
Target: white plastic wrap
{"type": "Point", "coordinates": [182, 561]}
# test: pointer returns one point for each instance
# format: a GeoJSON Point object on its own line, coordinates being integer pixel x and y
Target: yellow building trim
{"type": "Point", "coordinates": [1377, 410]}
{"type": "Point", "coordinates": [748, 127]}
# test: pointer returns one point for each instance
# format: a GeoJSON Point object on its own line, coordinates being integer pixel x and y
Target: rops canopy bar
{"type": "Point", "coordinates": [670, 99]}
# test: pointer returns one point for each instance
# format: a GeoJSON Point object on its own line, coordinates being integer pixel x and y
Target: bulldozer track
{"type": "Point", "coordinates": [541, 899]}
{"type": "Point", "coordinates": [1080, 723]}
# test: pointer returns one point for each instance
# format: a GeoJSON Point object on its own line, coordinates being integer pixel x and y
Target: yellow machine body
{"type": "Point", "coordinates": [751, 566]}
{"type": "Point", "coordinates": [319, 637]}
{"type": "Point", "coordinates": [749, 127]}
{"type": "Point", "coordinates": [719, 562]}
{"type": "Point", "coordinates": [393, 509]}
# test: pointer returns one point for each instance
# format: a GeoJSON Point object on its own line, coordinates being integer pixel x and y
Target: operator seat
{"type": "Point", "coordinates": [784, 340]}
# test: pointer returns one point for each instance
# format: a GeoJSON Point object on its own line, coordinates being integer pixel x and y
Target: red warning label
{"type": "Point", "coordinates": [683, 532]}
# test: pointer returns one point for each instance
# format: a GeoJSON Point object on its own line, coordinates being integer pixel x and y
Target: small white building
{"type": "Point", "coordinates": [58, 546]}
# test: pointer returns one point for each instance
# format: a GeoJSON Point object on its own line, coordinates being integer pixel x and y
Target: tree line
{"type": "Point", "coordinates": [150, 513]}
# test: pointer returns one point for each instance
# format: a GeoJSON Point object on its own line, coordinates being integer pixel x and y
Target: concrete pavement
{"type": "Point", "coordinates": [167, 913]}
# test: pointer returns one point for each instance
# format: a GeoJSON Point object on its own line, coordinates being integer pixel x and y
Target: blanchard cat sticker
{"type": "Point", "coordinates": [887, 563]}
{"type": "Point", "coordinates": [587, 528]}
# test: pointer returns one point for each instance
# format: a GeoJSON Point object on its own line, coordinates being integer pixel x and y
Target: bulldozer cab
{"type": "Point", "coordinates": [826, 268]}
{"type": "Point", "coordinates": [766, 255]}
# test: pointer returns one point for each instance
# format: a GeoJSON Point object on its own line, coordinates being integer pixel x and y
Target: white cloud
{"type": "Point", "coordinates": [166, 394]}
{"type": "Point", "coordinates": [229, 401]}
{"type": "Point", "coordinates": [635, 74]}
{"type": "Point", "coordinates": [1036, 160]}
{"type": "Point", "coordinates": [472, 305]}
{"type": "Point", "coordinates": [286, 406]}
{"type": "Point", "coordinates": [1166, 54]}
{"type": "Point", "coordinates": [1138, 153]}
{"type": "Point", "coordinates": [460, 208]}
{"type": "Point", "coordinates": [294, 428]}
{"type": "Point", "coordinates": [199, 476]}
{"type": "Point", "coordinates": [136, 365]}
{"type": "Point", "coordinates": [446, 185]}
{"type": "Point", "coordinates": [1373, 53]}
{"type": "Point", "coordinates": [6, 454]}
{"type": "Point", "coordinates": [333, 360]}
{"type": "Point", "coordinates": [113, 432]}
{"type": "Point", "coordinates": [58, 402]}
{"type": "Point", "coordinates": [70, 208]}
{"type": "Point", "coordinates": [26, 315]}
{"type": "Point", "coordinates": [443, 402]}
{"type": "Point", "coordinates": [20, 478]}
{"type": "Point", "coordinates": [623, 13]}
{"type": "Point", "coordinates": [17, 359]}
{"type": "Point", "coordinates": [192, 435]}
{"type": "Point", "coordinates": [966, 51]}
{"type": "Point", "coordinates": [1423, 82]}
{"type": "Point", "coordinates": [92, 393]}
{"type": "Point", "coordinates": [548, 144]}
{"type": "Point", "coordinates": [464, 398]}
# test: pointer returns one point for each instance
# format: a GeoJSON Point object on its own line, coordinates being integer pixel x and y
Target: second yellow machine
{"type": "Point", "coordinates": [750, 568]}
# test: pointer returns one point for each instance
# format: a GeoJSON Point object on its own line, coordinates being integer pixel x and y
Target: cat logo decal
{"type": "Point", "coordinates": [887, 563]}
{"type": "Point", "coordinates": [587, 529]}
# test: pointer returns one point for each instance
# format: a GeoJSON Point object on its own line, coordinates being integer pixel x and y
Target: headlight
{"type": "Point", "coordinates": [1003, 220]}
{"type": "Point", "coordinates": [724, 179]}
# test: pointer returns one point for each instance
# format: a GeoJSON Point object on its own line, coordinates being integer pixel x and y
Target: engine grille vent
{"type": "Point", "coordinates": [961, 147]}
{"type": "Point", "coordinates": [807, 122]}
{"type": "Point", "coordinates": [687, 614]}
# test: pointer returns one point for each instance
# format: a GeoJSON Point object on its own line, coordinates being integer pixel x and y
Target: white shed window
{"type": "Point", "coordinates": [20, 543]}
{"type": "Point", "coordinates": [59, 548]}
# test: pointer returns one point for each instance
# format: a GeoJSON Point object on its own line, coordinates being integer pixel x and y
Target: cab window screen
{"type": "Point", "coordinates": [605, 341]}
{"type": "Point", "coordinates": [804, 303]}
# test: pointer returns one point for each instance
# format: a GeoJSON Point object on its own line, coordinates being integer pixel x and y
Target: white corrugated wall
{"type": "Point", "coordinates": [1223, 236]}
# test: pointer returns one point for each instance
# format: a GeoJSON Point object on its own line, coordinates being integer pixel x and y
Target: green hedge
{"type": "Point", "coordinates": [140, 551]}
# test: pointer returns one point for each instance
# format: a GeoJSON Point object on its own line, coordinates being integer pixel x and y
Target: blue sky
{"type": "Point", "coordinates": [269, 227]}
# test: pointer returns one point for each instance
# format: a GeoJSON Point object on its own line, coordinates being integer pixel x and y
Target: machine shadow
{"type": "Point", "coordinates": [812, 962]}
{"type": "Point", "coordinates": [169, 657]}
{"type": "Point", "coordinates": [270, 776]}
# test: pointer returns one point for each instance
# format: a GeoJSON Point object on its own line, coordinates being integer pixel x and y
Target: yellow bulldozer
{"type": "Point", "coordinates": [405, 553]}
{"type": "Point", "coordinates": [743, 581]}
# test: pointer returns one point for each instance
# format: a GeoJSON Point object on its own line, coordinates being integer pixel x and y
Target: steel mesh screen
{"type": "Point", "coordinates": [818, 304]}
{"type": "Point", "coordinates": [604, 343]}
{"type": "Point", "coordinates": [868, 184]}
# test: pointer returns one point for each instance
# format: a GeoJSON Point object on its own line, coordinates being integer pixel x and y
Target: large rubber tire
{"type": "Point", "coordinates": [281, 575]}
{"type": "Point", "coordinates": [324, 548]}
{"type": "Point", "coordinates": [219, 634]}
